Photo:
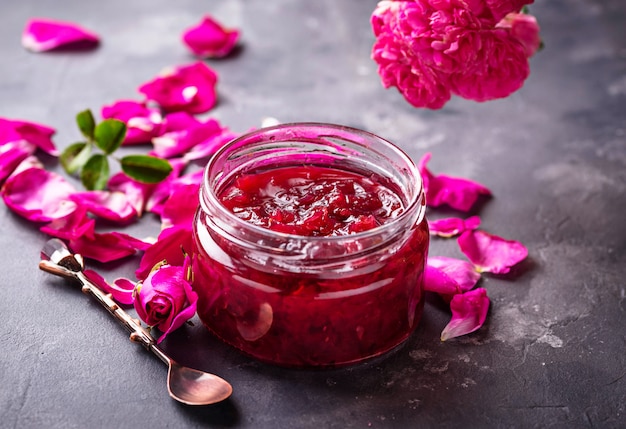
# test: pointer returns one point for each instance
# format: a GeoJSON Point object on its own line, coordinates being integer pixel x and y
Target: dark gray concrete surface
{"type": "Point", "coordinates": [552, 353]}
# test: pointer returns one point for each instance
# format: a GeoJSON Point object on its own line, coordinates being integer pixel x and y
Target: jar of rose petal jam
{"type": "Point", "coordinates": [309, 245]}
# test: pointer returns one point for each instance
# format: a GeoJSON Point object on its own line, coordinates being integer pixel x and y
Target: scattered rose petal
{"type": "Point", "coordinates": [458, 193]}
{"type": "Point", "coordinates": [469, 311]}
{"type": "Point", "coordinates": [36, 134]}
{"type": "Point", "coordinates": [42, 35]}
{"type": "Point", "coordinates": [165, 298]}
{"type": "Point", "coordinates": [169, 246]}
{"type": "Point", "coordinates": [180, 208]}
{"type": "Point", "coordinates": [143, 123]}
{"type": "Point", "coordinates": [207, 147]}
{"type": "Point", "coordinates": [121, 290]}
{"type": "Point", "coordinates": [189, 88]}
{"type": "Point", "coordinates": [179, 141]}
{"type": "Point", "coordinates": [451, 226]}
{"type": "Point", "coordinates": [163, 189]}
{"type": "Point", "coordinates": [11, 155]}
{"type": "Point", "coordinates": [490, 253]}
{"type": "Point", "coordinates": [112, 206]}
{"type": "Point", "coordinates": [107, 247]}
{"type": "Point", "coordinates": [209, 39]}
{"type": "Point", "coordinates": [71, 227]}
{"type": "Point", "coordinates": [47, 201]}
{"type": "Point", "coordinates": [136, 193]}
{"type": "Point", "coordinates": [435, 280]}
{"type": "Point", "coordinates": [461, 272]}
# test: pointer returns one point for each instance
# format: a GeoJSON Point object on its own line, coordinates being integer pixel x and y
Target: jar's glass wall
{"type": "Point", "coordinates": [311, 301]}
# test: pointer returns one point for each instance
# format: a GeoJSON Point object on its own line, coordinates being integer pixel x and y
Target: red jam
{"type": "Point", "coordinates": [359, 307]}
{"type": "Point", "coordinates": [311, 201]}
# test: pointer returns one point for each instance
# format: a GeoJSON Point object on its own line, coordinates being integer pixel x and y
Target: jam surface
{"type": "Point", "coordinates": [311, 201]}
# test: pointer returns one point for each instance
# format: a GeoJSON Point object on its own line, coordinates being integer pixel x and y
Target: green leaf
{"type": "Point", "coordinates": [86, 123]}
{"type": "Point", "coordinates": [145, 168]}
{"type": "Point", "coordinates": [109, 135]}
{"type": "Point", "coordinates": [95, 172]}
{"type": "Point", "coordinates": [75, 156]}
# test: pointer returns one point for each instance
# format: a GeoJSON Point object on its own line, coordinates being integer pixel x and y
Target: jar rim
{"type": "Point", "coordinates": [417, 199]}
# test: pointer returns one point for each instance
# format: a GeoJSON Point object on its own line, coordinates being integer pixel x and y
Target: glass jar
{"type": "Point", "coordinates": [297, 300]}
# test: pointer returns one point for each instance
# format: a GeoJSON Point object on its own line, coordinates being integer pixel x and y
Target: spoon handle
{"type": "Point", "coordinates": [138, 333]}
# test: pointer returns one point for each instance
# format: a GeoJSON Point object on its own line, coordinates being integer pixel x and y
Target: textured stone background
{"type": "Point", "coordinates": [552, 353]}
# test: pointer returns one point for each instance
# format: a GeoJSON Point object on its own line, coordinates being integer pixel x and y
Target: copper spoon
{"type": "Point", "coordinates": [187, 385]}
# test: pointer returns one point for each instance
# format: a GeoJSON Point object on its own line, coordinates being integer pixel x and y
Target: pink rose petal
{"type": "Point", "coordinates": [11, 155]}
{"type": "Point", "coordinates": [469, 312]}
{"type": "Point", "coordinates": [42, 34]}
{"type": "Point", "coordinates": [435, 280]}
{"type": "Point", "coordinates": [189, 88]}
{"type": "Point", "coordinates": [449, 227]}
{"type": "Point", "coordinates": [143, 123]}
{"type": "Point", "coordinates": [163, 189]}
{"type": "Point", "coordinates": [48, 200]}
{"type": "Point", "coordinates": [178, 142]}
{"type": "Point", "coordinates": [36, 134]}
{"type": "Point", "coordinates": [121, 290]}
{"type": "Point", "coordinates": [209, 39]}
{"type": "Point", "coordinates": [458, 193]}
{"type": "Point", "coordinates": [180, 208]}
{"type": "Point", "coordinates": [107, 247]}
{"type": "Point", "coordinates": [113, 206]}
{"type": "Point", "coordinates": [207, 148]}
{"type": "Point", "coordinates": [136, 193]}
{"type": "Point", "coordinates": [169, 246]}
{"type": "Point", "coordinates": [73, 226]}
{"type": "Point", "coordinates": [490, 253]}
{"type": "Point", "coordinates": [461, 272]}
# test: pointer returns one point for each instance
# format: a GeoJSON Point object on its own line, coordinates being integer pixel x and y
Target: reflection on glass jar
{"type": "Point", "coordinates": [310, 244]}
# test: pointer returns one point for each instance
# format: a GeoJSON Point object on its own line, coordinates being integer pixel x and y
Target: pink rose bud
{"type": "Point", "coordinates": [165, 298]}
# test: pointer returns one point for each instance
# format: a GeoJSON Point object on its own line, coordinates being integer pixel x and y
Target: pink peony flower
{"type": "Point", "coordinates": [143, 122]}
{"type": "Point", "coordinates": [43, 34]}
{"type": "Point", "coordinates": [189, 88]}
{"type": "Point", "coordinates": [456, 192]}
{"type": "Point", "coordinates": [430, 49]}
{"type": "Point", "coordinates": [469, 312]}
{"type": "Point", "coordinates": [490, 253]}
{"type": "Point", "coordinates": [31, 132]}
{"type": "Point", "coordinates": [451, 226]}
{"type": "Point", "coordinates": [165, 298]}
{"type": "Point", "coordinates": [209, 39]}
{"type": "Point", "coordinates": [47, 201]}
